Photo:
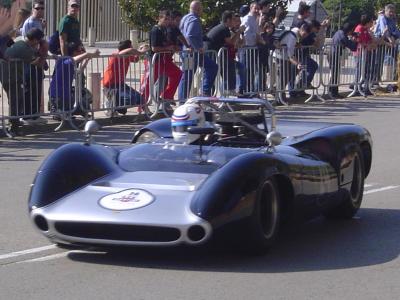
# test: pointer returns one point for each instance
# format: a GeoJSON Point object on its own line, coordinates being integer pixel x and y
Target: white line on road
{"type": "Point", "coordinates": [369, 185]}
{"type": "Point", "coordinates": [25, 252]}
{"type": "Point", "coordinates": [46, 258]}
{"type": "Point", "coordinates": [390, 187]}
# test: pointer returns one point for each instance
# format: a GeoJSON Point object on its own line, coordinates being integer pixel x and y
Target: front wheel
{"type": "Point", "coordinates": [263, 225]}
{"type": "Point", "coordinates": [353, 198]}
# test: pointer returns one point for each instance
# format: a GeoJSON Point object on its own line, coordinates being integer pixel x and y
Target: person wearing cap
{"type": "Point", "coordinates": [26, 52]}
{"type": "Point", "coordinates": [36, 19]}
{"type": "Point", "coordinates": [69, 28]}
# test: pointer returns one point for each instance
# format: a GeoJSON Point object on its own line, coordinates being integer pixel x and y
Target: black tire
{"type": "Point", "coordinates": [352, 199]}
{"type": "Point", "coordinates": [263, 225]}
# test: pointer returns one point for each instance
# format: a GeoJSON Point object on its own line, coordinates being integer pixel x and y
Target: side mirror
{"type": "Point", "coordinates": [91, 127]}
{"type": "Point", "coordinates": [201, 130]}
{"type": "Point", "coordinates": [274, 138]}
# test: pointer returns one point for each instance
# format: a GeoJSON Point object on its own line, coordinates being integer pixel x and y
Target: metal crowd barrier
{"type": "Point", "coordinates": [63, 88]}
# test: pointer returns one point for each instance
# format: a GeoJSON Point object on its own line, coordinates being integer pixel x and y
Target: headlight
{"type": "Point", "coordinates": [147, 137]}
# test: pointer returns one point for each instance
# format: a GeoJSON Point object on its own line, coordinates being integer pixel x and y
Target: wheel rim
{"type": "Point", "coordinates": [356, 183]}
{"type": "Point", "coordinates": [268, 210]}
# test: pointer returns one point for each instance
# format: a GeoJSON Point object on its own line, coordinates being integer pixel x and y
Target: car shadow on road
{"type": "Point", "coordinates": [372, 238]}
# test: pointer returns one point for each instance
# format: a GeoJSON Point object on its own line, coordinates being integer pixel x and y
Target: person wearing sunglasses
{"type": "Point", "coordinates": [36, 20]}
{"type": "Point", "coordinates": [69, 28]}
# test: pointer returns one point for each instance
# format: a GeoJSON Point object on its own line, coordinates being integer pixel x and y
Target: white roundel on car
{"type": "Point", "coordinates": [127, 199]}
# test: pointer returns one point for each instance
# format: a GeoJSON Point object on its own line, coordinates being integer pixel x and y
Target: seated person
{"type": "Point", "coordinates": [61, 91]}
{"type": "Point", "coordinates": [114, 83]}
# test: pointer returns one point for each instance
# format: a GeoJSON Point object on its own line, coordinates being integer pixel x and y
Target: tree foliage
{"type": "Point", "coordinates": [143, 14]}
{"type": "Point", "coordinates": [351, 10]}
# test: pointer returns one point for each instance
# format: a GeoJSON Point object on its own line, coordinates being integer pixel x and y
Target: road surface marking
{"type": "Point", "coordinates": [26, 252]}
{"type": "Point", "coordinates": [390, 187]}
{"type": "Point", "coordinates": [46, 258]}
{"type": "Point", "coordinates": [369, 185]}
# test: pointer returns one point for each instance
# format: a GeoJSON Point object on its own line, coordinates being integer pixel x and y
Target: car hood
{"type": "Point", "coordinates": [167, 203]}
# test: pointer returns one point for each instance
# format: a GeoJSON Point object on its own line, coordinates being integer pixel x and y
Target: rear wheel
{"type": "Point", "coordinates": [263, 225]}
{"type": "Point", "coordinates": [353, 198]}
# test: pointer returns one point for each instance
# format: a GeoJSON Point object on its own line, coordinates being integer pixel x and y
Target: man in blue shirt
{"type": "Point", "coordinates": [192, 31]}
{"type": "Point", "coordinates": [386, 24]}
{"type": "Point", "coordinates": [36, 19]}
{"type": "Point", "coordinates": [386, 28]}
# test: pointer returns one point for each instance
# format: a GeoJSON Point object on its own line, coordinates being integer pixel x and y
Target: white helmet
{"type": "Point", "coordinates": [187, 115]}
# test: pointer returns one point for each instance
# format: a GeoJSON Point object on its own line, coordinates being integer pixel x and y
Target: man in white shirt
{"type": "Point", "coordinates": [288, 58]}
{"type": "Point", "coordinates": [249, 57]}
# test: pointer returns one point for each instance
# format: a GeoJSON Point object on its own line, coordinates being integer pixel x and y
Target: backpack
{"type": "Point", "coordinates": [54, 44]}
{"type": "Point", "coordinates": [279, 35]}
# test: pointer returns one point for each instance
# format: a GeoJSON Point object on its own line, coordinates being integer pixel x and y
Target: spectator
{"type": "Point", "coordinates": [340, 40]}
{"type": "Point", "coordinates": [192, 30]}
{"type": "Point", "coordinates": [303, 13]}
{"type": "Point", "coordinates": [232, 50]}
{"type": "Point", "coordinates": [36, 19]}
{"type": "Point", "coordinates": [61, 91]}
{"type": "Point", "coordinates": [386, 29]}
{"type": "Point", "coordinates": [164, 65]}
{"type": "Point", "coordinates": [175, 36]}
{"type": "Point", "coordinates": [287, 62]}
{"type": "Point", "coordinates": [114, 79]}
{"type": "Point", "coordinates": [314, 40]}
{"type": "Point", "coordinates": [220, 36]}
{"type": "Point", "coordinates": [267, 13]}
{"type": "Point", "coordinates": [252, 38]}
{"type": "Point", "coordinates": [21, 55]}
{"type": "Point", "coordinates": [366, 43]}
{"type": "Point", "coordinates": [69, 28]}
{"type": "Point", "coordinates": [267, 31]}
{"type": "Point", "coordinates": [387, 25]}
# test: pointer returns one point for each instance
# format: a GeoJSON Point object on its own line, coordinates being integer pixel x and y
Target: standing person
{"type": "Point", "coordinates": [220, 36]}
{"type": "Point", "coordinates": [340, 40]}
{"type": "Point", "coordinates": [386, 29]}
{"type": "Point", "coordinates": [69, 28]}
{"type": "Point", "coordinates": [114, 81]}
{"type": "Point", "coordinates": [268, 15]}
{"type": "Point", "coordinates": [163, 65]}
{"type": "Point", "coordinates": [22, 54]}
{"type": "Point", "coordinates": [303, 14]}
{"type": "Point", "coordinates": [366, 43]}
{"type": "Point", "coordinates": [192, 30]}
{"type": "Point", "coordinates": [36, 19]}
{"type": "Point", "coordinates": [252, 38]}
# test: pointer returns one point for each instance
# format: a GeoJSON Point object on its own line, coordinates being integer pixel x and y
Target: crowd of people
{"type": "Point", "coordinates": [247, 37]}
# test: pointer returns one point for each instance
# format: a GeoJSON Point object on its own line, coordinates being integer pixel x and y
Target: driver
{"type": "Point", "coordinates": [185, 116]}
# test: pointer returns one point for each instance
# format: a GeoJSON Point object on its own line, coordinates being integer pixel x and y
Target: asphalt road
{"type": "Point", "coordinates": [356, 259]}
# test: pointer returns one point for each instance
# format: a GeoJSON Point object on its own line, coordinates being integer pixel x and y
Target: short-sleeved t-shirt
{"type": "Point", "coordinates": [172, 36]}
{"type": "Point", "coordinates": [30, 23]}
{"type": "Point", "coordinates": [158, 37]}
{"type": "Point", "coordinates": [62, 78]}
{"type": "Point", "coordinates": [364, 36]}
{"type": "Point", "coordinates": [71, 27]}
{"type": "Point", "coordinates": [216, 37]}
{"type": "Point", "coordinates": [114, 75]}
{"type": "Point", "coordinates": [20, 50]}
